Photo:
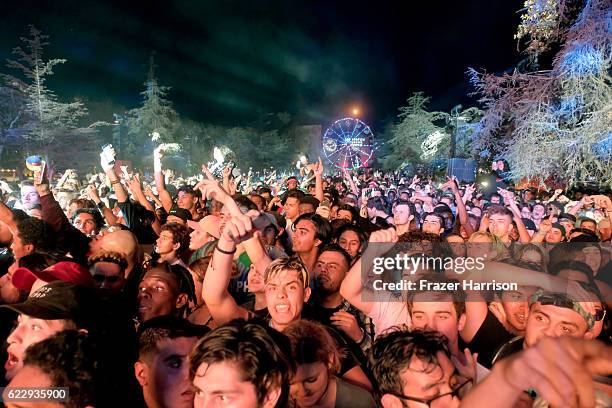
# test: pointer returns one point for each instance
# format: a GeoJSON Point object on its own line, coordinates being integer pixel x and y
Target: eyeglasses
{"type": "Point", "coordinates": [458, 390]}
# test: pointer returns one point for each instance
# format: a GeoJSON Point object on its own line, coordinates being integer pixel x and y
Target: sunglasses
{"type": "Point", "coordinates": [108, 279]}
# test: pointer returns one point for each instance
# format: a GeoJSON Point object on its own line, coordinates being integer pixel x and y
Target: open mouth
{"type": "Point", "coordinates": [11, 362]}
{"type": "Point", "coordinates": [282, 308]}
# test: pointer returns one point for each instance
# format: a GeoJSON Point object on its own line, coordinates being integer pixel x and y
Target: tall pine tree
{"type": "Point", "coordinates": [156, 115]}
{"type": "Point", "coordinates": [47, 123]}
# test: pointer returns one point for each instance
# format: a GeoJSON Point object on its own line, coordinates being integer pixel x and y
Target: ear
{"type": "Point", "coordinates": [176, 246]}
{"type": "Point", "coordinates": [390, 401]}
{"type": "Point", "coordinates": [317, 242]}
{"type": "Point", "coordinates": [307, 293]}
{"type": "Point", "coordinates": [461, 322]}
{"type": "Point", "coordinates": [410, 219]}
{"type": "Point", "coordinates": [141, 373]}
{"type": "Point", "coordinates": [181, 300]}
{"type": "Point", "coordinates": [589, 335]}
{"type": "Point", "coordinates": [29, 248]}
{"type": "Point", "coordinates": [272, 397]}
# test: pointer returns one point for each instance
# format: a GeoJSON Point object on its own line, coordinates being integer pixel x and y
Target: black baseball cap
{"type": "Point", "coordinates": [61, 300]}
{"type": "Point", "coordinates": [181, 213]}
{"type": "Point", "coordinates": [567, 216]}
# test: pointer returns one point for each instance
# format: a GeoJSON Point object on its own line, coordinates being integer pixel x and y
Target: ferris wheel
{"type": "Point", "coordinates": [349, 144]}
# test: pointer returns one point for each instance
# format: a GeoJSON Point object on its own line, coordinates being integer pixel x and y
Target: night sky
{"type": "Point", "coordinates": [228, 62]}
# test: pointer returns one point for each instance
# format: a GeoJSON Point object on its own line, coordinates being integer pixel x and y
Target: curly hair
{"type": "Point", "coordinates": [37, 233]}
{"type": "Point", "coordinates": [261, 354]}
{"type": "Point", "coordinates": [69, 359]}
{"type": "Point", "coordinates": [180, 235]}
{"type": "Point", "coordinates": [393, 351]}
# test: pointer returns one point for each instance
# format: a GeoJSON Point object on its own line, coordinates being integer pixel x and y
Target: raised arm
{"type": "Point", "coordinates": [318, 171]}
{"type": "Point", "coordinates": [217, 298]}
{"type": "Point", "coordinates": [352, 286]}
{"type": "Point", "coordinates": [349, 179]}
{"type": "Point", "coordinates": [520, 226]}
{"type": "Point", "coordinates": [109, 169]}
{"type": "Point", "coordinates": [136, 189]}
{"type": "Point", "coordinates": [160, 182]}
{"type": "Point", "coordinates": [107, 213]}
{"type": "Point", "coordinates": [461, 211]}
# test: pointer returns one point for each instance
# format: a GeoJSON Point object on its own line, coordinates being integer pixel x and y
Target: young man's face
{"type": "Point", "coordinates": [309, 384]}
{"type": "Point", "coordinates": [19, 248]}
{"type": "Point", "coordinates": [432, 225]}
{"type": "Point", "coordinates": [526, 213]}
{"type": "Point", "coordinates": [401, 214]}
{"type": "Point", "coordinates": [345, 215]}
{"type": "Point", "coordinates": [222, 384]}
{"type": "Point", "coordinates": [554, 235]}
{"type": "Point", "coordinates": [329, 271]}
{"type": "Point", "coordinates": [108, 276]}
{"type": "Point", "coordinates": [590, 225]}
{"type": "Point", "coordinates": [495, 199]}
{"type": "Point", "coordinates": [291, 208]}
{"type": "Point", "coordinates": [165, 244]}
{"type": "Point", "coordinates": [305, 208]}
{"type": "Point", "coordinates": [285, 297]}
{"type": "Point", "coordinates": [85, 223]}
{"type": "Point", "coordinates": [292, 184]}
{"type": "Point", "coordinates": [186, 200]}
{"type": "Point", "coordinates": [438, 316]}
{"type": "Point", "coordinates": [8, 292]}
{"type": "Point", "coordinates": [516, 307]}
{"type": "Point", "coordinates": [538, 212]}
{"type": "Point", "coordinates": [554, 321]}
{"type": "Point", "coordinates": [349, 241]}
{"type": "Point", "coordinates": [29, 330]}
{"type": "Point", "coordinates": [29, 197]}
{"type": "Point", "coordinates": [500, 225]}
{"type": "Point", "coordinates": [157, 295]}
{"type": "Point", "coordinates": [304, 239]}
{"type": "Point", "coordinates": [255, 280]}
{"type": "Point", "coordinates": [164, 373]}
{"type": "Point", "coordinates": [197, 239]}
{"type": "Point", "coordinates": [568, 225]}
{"type": "Point", "coordinates": [425, 381]}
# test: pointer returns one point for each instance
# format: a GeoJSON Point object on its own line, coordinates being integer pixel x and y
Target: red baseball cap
{"type": "Point", "coordinates": [72, 272]}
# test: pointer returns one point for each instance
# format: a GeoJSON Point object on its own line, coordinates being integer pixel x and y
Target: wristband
{"type": "Point", "coordinates": [116, 181]}
{"type": "Point", "coordinates": [224, 251]}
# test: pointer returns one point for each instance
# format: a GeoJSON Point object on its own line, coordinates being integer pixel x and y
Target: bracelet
{"type": "Point", "coordinates": [116, 181]}
{"type": "Point", "coordinates": [224, 251]}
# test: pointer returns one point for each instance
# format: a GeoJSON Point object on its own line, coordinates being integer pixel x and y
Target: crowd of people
{"type": "Point", "coordinates": [168, 291]}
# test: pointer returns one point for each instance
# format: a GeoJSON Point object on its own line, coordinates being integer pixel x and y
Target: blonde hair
{"type": "Point", "coordinates": [283, 264]}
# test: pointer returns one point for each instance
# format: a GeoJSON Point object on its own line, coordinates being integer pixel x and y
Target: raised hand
{"type": "Point", "coordinates": [318, 168]}
{"type": "Point", "coordinates": [210, 187]}
{"type": "Point", "coordinates": [92, 193]}
{"type": "Point", "coordinates": [348, 324]}
{"type": "Point", "coordinates": [240, 227]}
{"type": "Point", "coordinates": [107, 159]}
